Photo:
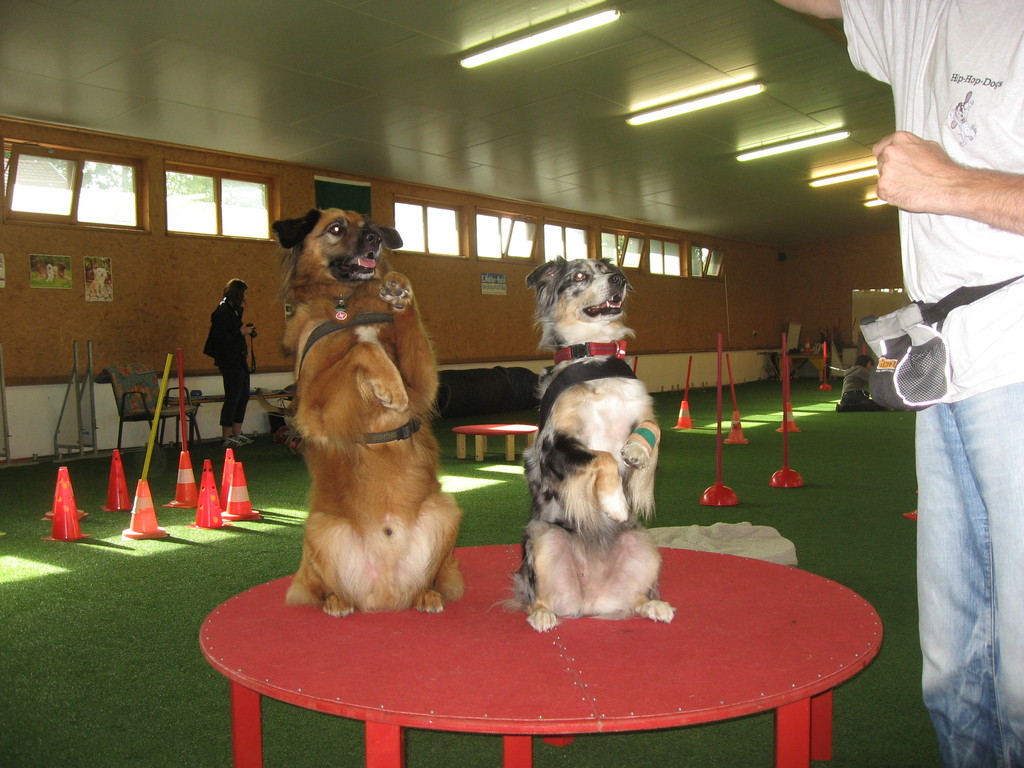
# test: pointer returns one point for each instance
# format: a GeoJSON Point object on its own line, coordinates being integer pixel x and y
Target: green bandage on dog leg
{"type": "Point", "coordinates": [647, 432]}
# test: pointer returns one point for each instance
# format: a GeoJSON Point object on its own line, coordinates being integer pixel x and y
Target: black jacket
{"type": "Point", "coordinates": [225, 343]}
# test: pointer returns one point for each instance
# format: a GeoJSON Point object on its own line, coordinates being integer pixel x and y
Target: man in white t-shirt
{"type": "Point", "coordinates": [955, 169]}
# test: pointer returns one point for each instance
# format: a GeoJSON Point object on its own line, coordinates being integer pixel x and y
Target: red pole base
{"type": "Point", "coordinates": [786, 478]}
{"type": "Point", "coordinates": [719, 495]}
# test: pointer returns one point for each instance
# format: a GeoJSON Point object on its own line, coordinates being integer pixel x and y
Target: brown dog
{"type": "Point", "coordinates": [380, 532]}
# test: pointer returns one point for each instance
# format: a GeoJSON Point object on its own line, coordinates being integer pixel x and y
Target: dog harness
{"type": "Point", "coordinates": [327, 327]}
{"type": "Point", "coordinates": [591, 349]}
{"type": "Point", "coordinates": [571, 375]}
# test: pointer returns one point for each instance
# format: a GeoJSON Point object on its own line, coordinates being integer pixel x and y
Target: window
{"type": "Point", "coordinates": [213, 203]}
{"type": "Point", "coordinates": [705, 262]}
{"type": "Point", "coordinates": [623, 250]}
{"type": "Point", "coordinates": [664, 258]}
{"type": "Point", "coordinates": [502, 236]}
{"type": "Point", "coordinates": [568, 242]}
{"type": "Point", "coordinates": [428, 228]}
{"type": "Point", "coordinates": [70, 186]}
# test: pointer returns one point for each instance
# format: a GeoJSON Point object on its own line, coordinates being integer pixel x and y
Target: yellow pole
{"type": "Point", "coordinates": [156, 417]}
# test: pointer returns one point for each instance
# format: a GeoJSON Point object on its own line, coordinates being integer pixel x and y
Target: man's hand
{"type": "Point", "coordinates": [914, 174]}
{"type": "Point", "coordinates": [918, 176]}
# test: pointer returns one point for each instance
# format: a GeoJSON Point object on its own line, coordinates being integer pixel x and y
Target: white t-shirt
{"type": "Point", "coordinates": [956, 68]}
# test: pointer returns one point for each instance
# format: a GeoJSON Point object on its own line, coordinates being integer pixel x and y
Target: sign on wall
{"type": "Point", "coordinates": [493, 284]}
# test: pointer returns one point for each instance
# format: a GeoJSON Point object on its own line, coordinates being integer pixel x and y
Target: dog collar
{"type": "Point", "coordinates": [592, 349]}
{"type": "Point", "coordinates": [404, 432]}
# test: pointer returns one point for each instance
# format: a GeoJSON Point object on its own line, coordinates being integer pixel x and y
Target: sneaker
{"type": "Point", "coordinates": [232, 442]}
{"type": "Point", "coordinates": [243, 440]}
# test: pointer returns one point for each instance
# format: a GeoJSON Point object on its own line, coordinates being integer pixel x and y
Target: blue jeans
{"type": "Point", "coordinates": [970, 568]}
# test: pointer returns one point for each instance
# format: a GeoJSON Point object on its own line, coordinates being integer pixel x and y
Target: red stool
{"type": "Point", "coordinates": [483, 431]}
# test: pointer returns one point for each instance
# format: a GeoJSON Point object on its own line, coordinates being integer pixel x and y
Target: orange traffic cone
{"type": "Point", "coordinates": [186, 495]}
{"type": "Point", "coordinates": [144, 524]}
{"type": "Point", "coordinates": [65, 511]}
{"type": "Point", "coordinates": [239, 507]}
{"type": "Point", "coordinates": [227, 476]}
{"type": "Point", "coordinates": [51, 513]}
{"type": "Point", "coordinates": [118, 499]}
{"type": "Point", "coordinates": [684, 421]}
{"type": "Point", "coordinates": [736, 433]}
{"type": "Point", "coordinates": [208, 513]}
{"type": "Point", "coordinates": [788, 423]}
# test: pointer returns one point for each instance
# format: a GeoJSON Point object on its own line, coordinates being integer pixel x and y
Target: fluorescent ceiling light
{"type": "Point", "coordinates": [692, 105]}
{"type": "Point", "coordinates": [811, 141]}
{"type": "Point", "coordinates": [539, 38]}
{"type": "Point", "coordinates": [839, 178]}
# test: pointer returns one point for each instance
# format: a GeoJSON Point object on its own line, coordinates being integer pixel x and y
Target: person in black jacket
{"type": "Point", "coordinates": [855, 387]}
{"type": "Point", "coordinates": [226, 345]}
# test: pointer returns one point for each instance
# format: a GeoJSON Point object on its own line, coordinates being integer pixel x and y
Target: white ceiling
{"type": "Point", "coordinates": [374, 87]}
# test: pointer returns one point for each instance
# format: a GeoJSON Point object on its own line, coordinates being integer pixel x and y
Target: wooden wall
{"type": "Point", "coordinates": [166, 285]}
{"type": "Point", "coordinates": [823, 276]}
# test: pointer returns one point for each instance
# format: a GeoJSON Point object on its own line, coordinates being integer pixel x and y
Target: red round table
{"type": "Point", "coordinates": [748, 636]}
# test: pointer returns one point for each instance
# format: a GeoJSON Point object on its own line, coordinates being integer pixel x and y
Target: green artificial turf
{"type": "Point", "coordinates": [100, 664]}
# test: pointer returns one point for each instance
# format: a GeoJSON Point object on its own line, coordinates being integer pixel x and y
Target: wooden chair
{"type": "Point", "coordinates": [136, 389]}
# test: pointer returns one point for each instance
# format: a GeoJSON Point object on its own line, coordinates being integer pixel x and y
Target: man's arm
{"type": "Point", "coordinates": [918, 176]}
{"type": "Point", "coordinates": [823, 9]}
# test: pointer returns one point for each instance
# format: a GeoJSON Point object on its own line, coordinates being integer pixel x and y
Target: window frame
{"type": "Point", "coordinates": [623, 240]}
{"type": "Point", "coordinates": [650, 250]}
{"type": "Point", "coordinates": [219, 175]}
{"type": "Point", "coordinates": [564, 227]}
{"type": "Point", "coordinates": [516, 219]}
{"type": "Point", "coordinates": [708, 262]}
{"type": "Point", "coordinates": [426, 205]}
{"type": "Point", "coordinates": [79, 157]}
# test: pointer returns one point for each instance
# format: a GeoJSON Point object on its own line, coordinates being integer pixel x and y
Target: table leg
{"type": "Point", "coordinates": [518, 751]}
{"type": "Point", "coordinates": [385, 745]}
{"type": "Point", "coordinates": [821, 726]}
{"type": "Point", "coordinates": [246, 727]}
{"type": "Point", "coordinates": [481, 447]}
{"type": "Point", "coordinates": [793, 735]}
{"type": "Point", "coordinates": [460, 445]}
{"type": "Point", "coordinates": [510, 447]}
{"type": "Point", "coordinates": [559, 741]}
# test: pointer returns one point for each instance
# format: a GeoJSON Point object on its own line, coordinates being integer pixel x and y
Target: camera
{"type": "Point", "coordinates": [252, 330]}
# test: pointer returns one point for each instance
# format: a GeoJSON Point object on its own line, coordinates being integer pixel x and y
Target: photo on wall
{"type": "Point", "coordinates": [49, 271]}
{"type": "Point", "coordinates": [99, 279]}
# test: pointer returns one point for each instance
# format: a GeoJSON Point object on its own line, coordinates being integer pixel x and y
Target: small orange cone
{"type": "Point", "coordinates": [208, 513]}
{"type": "Point", "coordinates": [684, 421]}
{"type": "Point", "coordinates": [186, 495]}
{"type": "Point", "coordinates": [52, 512]}
{"type": "Point", "coordinates": [788, 423]}
{"type": "Point", "coordinates": [227, 476]}
{"type": "Point", "coordinates": [239, 507]}
{"type": "Point", "coordinates": [65, 511]}
{"type": "Point", "coordinates": [736, 433]}
{"type": "Point", "coordinates": [144, 524]}
{"type": "Point", "coordinates": [118, 499]}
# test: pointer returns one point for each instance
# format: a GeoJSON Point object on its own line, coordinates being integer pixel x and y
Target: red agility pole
{"type": "Point", "coordinates": [684, 421]}
{"type": "Point", "coordinates": [825, 386]}
{"type": "Point", "coordinates": [181, 403]}
{"type": "Point", "coordinates": [186, 494]}
{"type": "Point", "coordinates": [785, 477]}
{"type": "Point", "coordinates": [719, 495]}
